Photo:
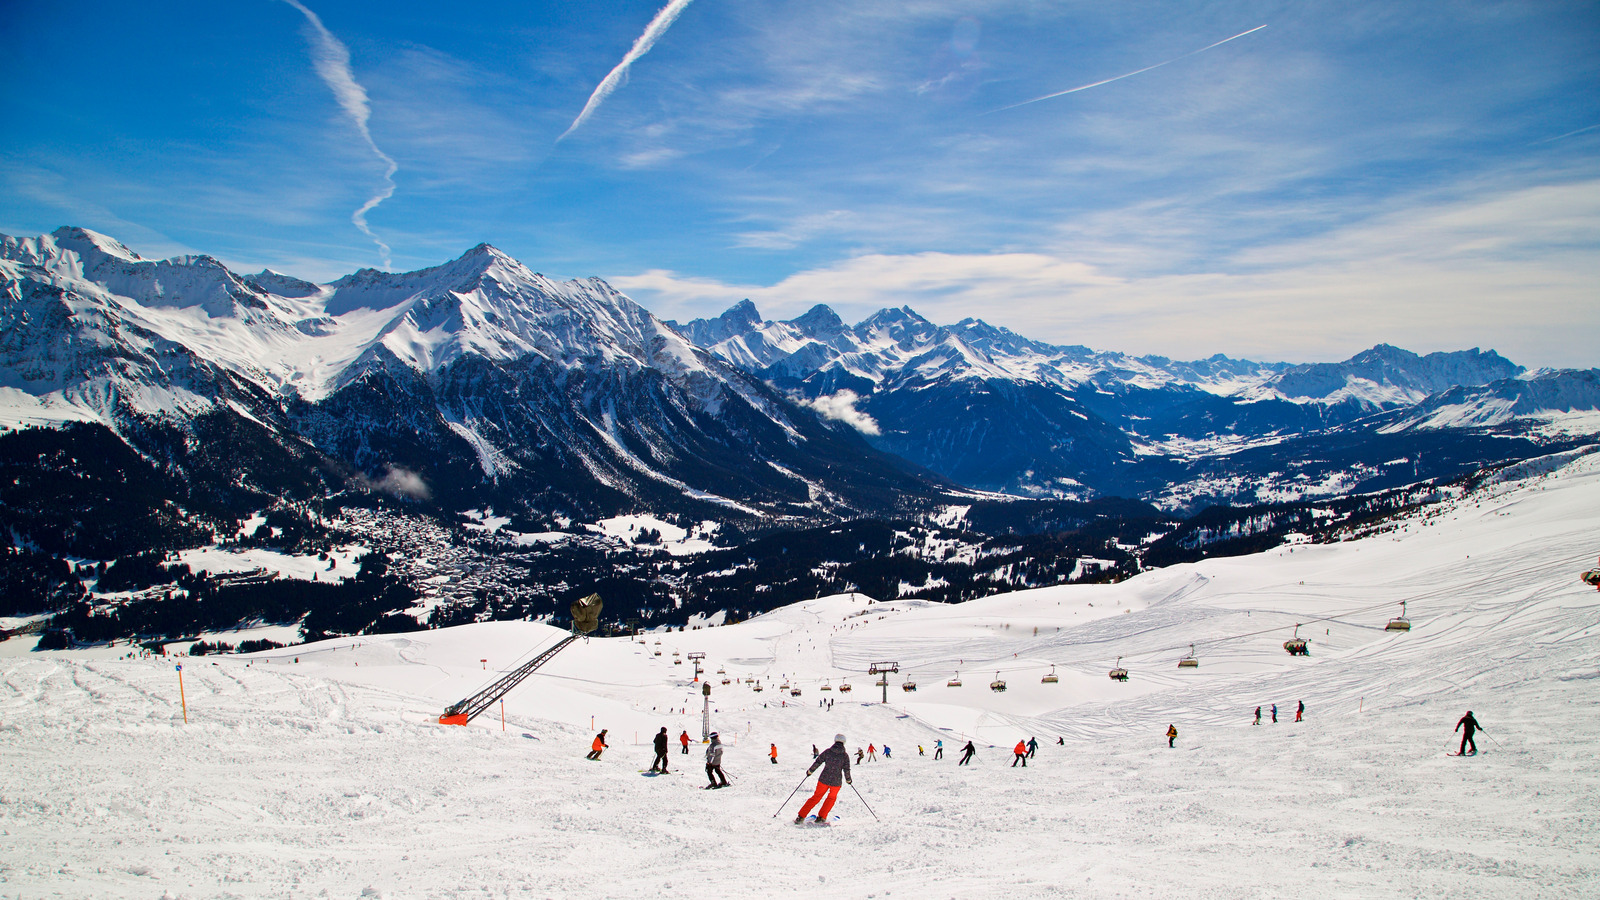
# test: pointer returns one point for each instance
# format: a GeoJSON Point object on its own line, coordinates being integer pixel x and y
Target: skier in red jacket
{"type": "Point", "coordinates": [1021, 751]}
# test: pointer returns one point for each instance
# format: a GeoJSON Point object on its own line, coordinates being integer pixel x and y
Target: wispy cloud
{"type": "Point", "coordinates": [331, 59]}
{"type": "Point", "coordinates": [1085, 87]}
{"type": "Point", "coordinates": [615, 78]}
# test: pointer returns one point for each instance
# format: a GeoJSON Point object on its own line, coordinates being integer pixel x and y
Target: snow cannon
{"type": "Point", "coordinates": [586, 614]}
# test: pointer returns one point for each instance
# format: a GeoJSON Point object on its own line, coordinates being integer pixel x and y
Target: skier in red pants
{"type": "Point", "coordinates": [835, 763]}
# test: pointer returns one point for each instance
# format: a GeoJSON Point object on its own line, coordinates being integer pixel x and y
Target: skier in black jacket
{"type": "Point", "coordinates": [660, 764]}
{"type": "Point", "coordinates": [835, 763]}
{"type": "Point", "coordinates": [969, 751]}
{"type": "Point", "coordinates": [1471, 727]}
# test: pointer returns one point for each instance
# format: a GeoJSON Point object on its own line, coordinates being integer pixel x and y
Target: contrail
{"type": "Point", "coordinates": [331, 58]}
{"type": "Point", "coordinates": [652, 33]}
{"type": "Point", "coordinates": [1085, 87]}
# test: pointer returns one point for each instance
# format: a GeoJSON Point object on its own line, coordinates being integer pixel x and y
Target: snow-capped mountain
{"type": "Point", "coordinates": [991, 409]}
{"type": "Point", "coordinates": [475, 381]}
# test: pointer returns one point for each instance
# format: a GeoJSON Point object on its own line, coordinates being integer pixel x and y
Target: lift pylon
{"type": "Point", "coordinates": [585, 618]}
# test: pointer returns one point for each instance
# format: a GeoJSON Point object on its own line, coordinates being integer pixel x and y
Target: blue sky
{"type": "Point", "coordinates": [1426, 174]}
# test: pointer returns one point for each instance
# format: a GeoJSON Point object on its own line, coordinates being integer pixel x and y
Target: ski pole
{"type": "Point", "coordinates": [792, 793]}
{"type": "Point", "coordinates": [863, 801]}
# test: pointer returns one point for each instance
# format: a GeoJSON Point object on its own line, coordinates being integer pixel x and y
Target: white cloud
{"type": "Point", "coordinates": [619, 74]}
{"type": "Point", "coordinates": [842, 407]}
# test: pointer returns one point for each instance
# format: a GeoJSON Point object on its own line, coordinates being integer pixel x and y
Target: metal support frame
{"type": "Point", "coordinates": [465, 711]}
{"type": "Point", "coordinates": [884, 668]}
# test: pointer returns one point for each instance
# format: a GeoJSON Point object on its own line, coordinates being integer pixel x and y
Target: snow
{"type": "Point", "coordinates": [318, 769]}
{"type": "Point", "coordinates": [342, 562]}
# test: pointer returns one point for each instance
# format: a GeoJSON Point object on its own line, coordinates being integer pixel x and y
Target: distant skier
{"type": "Point", "coordinates": [938, 749]}
{"type": "Point", "coordinates": [684, 740]}
{"type": "Point", "coordinates": [1258, 717]}
{"type": "Point", "coordinates": [660, 763]}
{"type": "Point", "coordinates": [774, 754]}
{"type": "Point", "coordinates": [813, 751]}
{"type": "Point", "coordinates": [1274, 713]}
{"type": "Point", "coordinates": [599, 745]}
{"type": "Point", "coordinates": [919, 751]}
{"type": "Point", "coordinates": [872, 753]}
{"type": "Point", "coordinates": [968, 752]}
{"type": "Point", "coordinates": [1061, 741]}
{"type": "Point", "coordinates": [1172, 735]}
{"type": "Point", "coordinates": [860, 755]}
{"type": "Point", "coordinates": [835, 763]}
{"type": "Point", "coordinates": [1020, 754]}
{"type": "Point", "coordinates": [714, 763]}
{"type": "Point", "coordinates": [1033, 747]}
{"type": "Point", "coordinates": [1299, 710]}
{"type": "Point", "coordinates": [1468, 726]}
{"type": "Point", "coordinates": [885, 751]}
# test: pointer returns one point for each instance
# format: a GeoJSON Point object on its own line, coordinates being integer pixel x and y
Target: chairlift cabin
{"type": "Point", "coordinates": [726, 681]}
{"type": "Point", "coordinates": [1297, 644]}
{"type": "Point", "coordinates": [1400, 624]}
{"type": "Point", "coordinates": [658, 652]}
{"type": "Point", "coordinates": [1189, 662]}
{"type": "Point", "coordinates": [909, 686]}
{"type": "Point", "coordinates": [1051, 678]}
{"type": "Point", "coordinates": [954, 682]}
{"type": "Point", "coordinates": [844, 687]}
{"type": "Point", "coordinates": [997, 685]}
{"type": "Point", "coordinates": [757, 687]}
{"type": "Point", "coordinates": [795, 692]}
{"type": "Point", "coordinates": [722, 670]}
{"type": "Point", "coordinates": [784, 686]}
{"type": "Point", "coordinates": [1118, 673]}
{"type": "Point", "coordinates": [826, 686]}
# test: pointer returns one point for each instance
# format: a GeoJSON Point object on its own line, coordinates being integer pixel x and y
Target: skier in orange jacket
{"type": "Point", "coordinates": [598, 745]}
{"type": "Point", "coordinates": [774, 754]}
{"type": "Point", "coordinates": [1021, 751]}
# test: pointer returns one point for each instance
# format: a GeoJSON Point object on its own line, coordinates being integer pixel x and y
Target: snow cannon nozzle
{"type": "Point", "coordinates": [586, 614]}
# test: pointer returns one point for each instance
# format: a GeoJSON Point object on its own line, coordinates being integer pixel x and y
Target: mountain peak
{"type": "Point", "coordinates": [72, 237]}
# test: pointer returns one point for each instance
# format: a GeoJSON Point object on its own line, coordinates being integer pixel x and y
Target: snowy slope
{"type": "Point", "coordinates": [316, 769]}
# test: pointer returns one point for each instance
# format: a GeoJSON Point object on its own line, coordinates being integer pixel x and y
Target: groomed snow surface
{"type": "Point", "coordinates": [326, 777]}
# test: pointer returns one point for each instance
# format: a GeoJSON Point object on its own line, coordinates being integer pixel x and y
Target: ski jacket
{"type": "Point", "coordinates": [684, 739]}
{"type": "Point", "coordinates": [714, 754]}
{"type": "Point", "coordinates": [661, 741]}
{"type": "Point", "coordinates": [599, 742]}
{"type": "Point", "coordinates": [1470, 723]}
{"type": "Point", "coordinates": [1021, 749]}
{"type": "Point", "coordinates": [835, 763]}
{"type": "Point", "coordinates": [1172, 731]}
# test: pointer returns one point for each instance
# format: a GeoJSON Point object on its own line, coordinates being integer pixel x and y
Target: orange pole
{"type": "Point", "coordinates": [502, 715]}
{"type": "Point", "coordinates": [183, 699]}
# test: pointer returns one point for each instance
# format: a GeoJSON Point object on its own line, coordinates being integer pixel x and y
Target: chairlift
{"type": "Point", "coordinates": [1051, 678]}
{"type": "Point", "coordinates": [1189, 662]}
{"type": "Point", "coordinates": [722, 670]}
{"type": "Point", "coordinates": [726, 681]}
{"type": "Point", "coordinates": [1118, 673]}
{"type": "Point", "coordinates": [658, 652]}
{"type": "Point", "coordinates": [758, 688]}
{"type": "Point", "coordinates": [844, 687]}
{"type": "Point", "coordinates": [997, 685]}
{"type": "Point", "coordinates": [909, 686]}
{"type": "Point", "coordinates": [954, 682]}
{"type": "Point", "coordinates": [795, 692]}
{"type": "Point", "coordinates": [784, 686]}
{"type": "Point", "coordinates": [883, 681]}
{"type": "Point", "coordinates": [1400, 624]}
{"type": "Point", "coordinates": [676, 661]}
{"type": "Point", "coordinates": [1297, 644]}
{"type": "Point", "coordinates": [826, 686]}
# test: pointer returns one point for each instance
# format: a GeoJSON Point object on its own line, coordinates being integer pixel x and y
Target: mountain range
{"type": "Point", "coordinates": [480, 383]}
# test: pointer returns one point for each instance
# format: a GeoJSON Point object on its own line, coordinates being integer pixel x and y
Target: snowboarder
{"type": "Point", "coordinates": [1468, 726]}
{"type": "Point", "coordinates": [1033, 747]}
{"type": "Point", "coordinates": [835, 763]}
{"type": "Point", "coordinates": [1274, 713]}
{"type": "Point", "coordinates": [1020, 753]}
{"type": "Point", "coordinates": [684, 740]}
{"type": "Point", "coordinates": [938, 749]}
{"type": "Point", "coordinates": [660, 763]}
{"type": "Point", "coordinates": [774, 754]}
{"type": "Point", "coordinates": [599, 745]}
{"type": "Point", "coordinates": [1258, 717]}
{"type": "Point", "coordinates": [969, 751]}
{"type": "Point", "coordinates": [1299, 710]}
{"type": "Point", "coordinates": [1172, 735]}
{"type": "Point", "coordinates": [714, 763]}
{"type": "Point", "coordinates": [872, 753]}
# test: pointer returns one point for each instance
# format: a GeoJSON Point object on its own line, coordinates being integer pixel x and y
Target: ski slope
{"type": "Point", "coordinates": [316, 771]}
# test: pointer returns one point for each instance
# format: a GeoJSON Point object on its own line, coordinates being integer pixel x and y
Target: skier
{"type": "Point", "coordinates": [660, 763]}
{"type": "Point", "coordinates": [774, 754]}
{"type": "Point", "coordinates": [1299, 710]}
{"type": "Point", "coordinates": [1033, 747]}
{"type": "Point", "coordinates": [969, 752]}
{"type": "Point", "coordinates": [1020, 754]}
{"type": "Point", "coordinates": [1061, 741]}
{"type": "Point", "coordinates": [714, 763]}
{"type": "Point", "coordinates": [1172, 735]}
{"type": "Point", "coordinates": [684, 740]}
{"type": "Point", "coordinates": [938, 749]}
{"type": "Point", "coordinates": [872, 753]}
{"type": "Point", "coordinates": [1274, 713]}
{"type": "Point", "coordinates": [1471, 727]}
{"type": "Point", "coordinates": [835, 763]}
{"type": "Point", "coordinates": [598, 745]}
{"type": "Point", "coordinates": [1258, 717]}
{"type": "Point", "coordinates": [813, 751]}
{"type": "Point", "coordinates": [885, 751]}
{"type": "Point", "coordinates": [919, 751]}
{"type": "Point", "coordinates": [860, 753]}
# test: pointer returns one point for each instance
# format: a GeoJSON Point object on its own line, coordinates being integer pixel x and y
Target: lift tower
{"type": "Point", "coordinates": [585, 618]}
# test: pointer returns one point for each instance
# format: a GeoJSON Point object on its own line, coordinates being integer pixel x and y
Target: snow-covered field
{"type": "Point", "coordinates": [316, 771]}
